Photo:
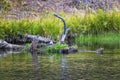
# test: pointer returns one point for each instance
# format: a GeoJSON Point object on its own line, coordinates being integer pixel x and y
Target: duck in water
{"type": "Point", "coordinates": [100, 51]}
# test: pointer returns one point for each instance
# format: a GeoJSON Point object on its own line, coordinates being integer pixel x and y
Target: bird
{"type": "Point", "coordinates": [100, 51]}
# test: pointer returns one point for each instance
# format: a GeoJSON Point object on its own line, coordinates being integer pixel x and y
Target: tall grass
{"type": "Point", "coordinates": [102, 22]}
{"type": "Point", "coordinates": [50, 26]}
{"type": "Point", "coordinates": [101, 39]}
{"type": "Point", "coordinates": [46, 26]}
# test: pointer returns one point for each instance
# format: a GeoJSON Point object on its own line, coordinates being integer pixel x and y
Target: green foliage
{"type": "Point", "coordinates": [103, 22]}
{"type": "Point", "coordinates": [56, 47]}
{"type": "Point", "coordinates": [109, 38]}
{"type": "Point", "coordinates": [50, 26]}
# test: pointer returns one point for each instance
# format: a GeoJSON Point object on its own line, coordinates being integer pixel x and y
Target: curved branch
{"type": "Point", "coordinates": [63, 36]}
{"type": "Point", "coordinates": [58, 16]}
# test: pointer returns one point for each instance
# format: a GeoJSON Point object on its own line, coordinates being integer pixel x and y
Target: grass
{"type": "Point", "coordinates": [54, 48]}
{"type": "Point", "coordinates": [101, 39]}
{"type": "Point", "coordinates": [50, 26]}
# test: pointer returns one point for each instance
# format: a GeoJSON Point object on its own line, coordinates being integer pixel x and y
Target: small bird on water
{"type": "Point", "coordinates": [100, 51]}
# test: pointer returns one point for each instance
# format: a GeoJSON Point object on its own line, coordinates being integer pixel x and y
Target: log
{"type": "Point", "coordinates": [34, 44]}
{"type": "Point", "coordinates": [35, 41]}
{"type": "Point", "coordinates": [64, 34]}
{"type": "Point", "coordinates": [5, 45]}
{"type": "Point", "coordinates": [39, 38]}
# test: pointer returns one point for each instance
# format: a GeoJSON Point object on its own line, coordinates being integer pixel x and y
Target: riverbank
{"type": "Point", "coordinates": [102, 40]}
{"type": "Point", "coordinates": [48, 25]}
{"type": "Point", "coordinates": [93, 28]}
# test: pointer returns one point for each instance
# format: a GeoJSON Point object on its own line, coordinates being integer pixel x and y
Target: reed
{"type": "Point", "coordinates": [106, 39]}
{"type": "Point", "coordinates": [49, 26]}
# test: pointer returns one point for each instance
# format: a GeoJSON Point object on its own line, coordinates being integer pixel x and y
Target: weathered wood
{"type": "Point", "coordinates": [34, 44]}
{"type": "Point", "coordinates": [64, 34]}
{"type": "Point", "coordinates": [5, 45]}
{"type": "Point", "coordinates": [39, 38]}
{"type": "Point", "coordinates": [35, 41]}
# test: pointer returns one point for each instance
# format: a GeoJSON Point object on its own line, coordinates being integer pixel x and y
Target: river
{"type": "Point", "coordinates": [77, 66]}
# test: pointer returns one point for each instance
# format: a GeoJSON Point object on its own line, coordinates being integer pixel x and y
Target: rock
{"type": "Point", "coordinates": [68, 50]}
{"type": "Point", "coordinates": [64, 50]}
{"type": "Point", "coordinates": [72, 50]}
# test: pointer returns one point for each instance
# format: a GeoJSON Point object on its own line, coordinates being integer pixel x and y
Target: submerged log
{"type": "Point", "coordinates": [5, 45]}
{"type": "Point", "coordinates": [68, 50]}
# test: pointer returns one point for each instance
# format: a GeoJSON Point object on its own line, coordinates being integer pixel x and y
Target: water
{"type": "Point", "coordinates": [79, 66]}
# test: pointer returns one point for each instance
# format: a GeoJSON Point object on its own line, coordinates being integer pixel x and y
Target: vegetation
{"type": "Point", "coordinates": [94, 29]}
{"type": "Point", "coordinates": [54, 48]}
{"type": "Point", "coordinates": [104, 39]}
{"type": "Point", "coordinates": [49, 26]}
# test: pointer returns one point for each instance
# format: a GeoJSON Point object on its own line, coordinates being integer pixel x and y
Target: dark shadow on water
{"type": "Point", "coordinates": [64, 68]}
{"type": "Point", "coordinates": [34, 56]}
{"type": "Point", "coordinates": [4, 53]}
{"type": "Point", "coordinates": [36, 66]}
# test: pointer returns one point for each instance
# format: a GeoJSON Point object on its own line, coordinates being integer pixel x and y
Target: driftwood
{"type": "Point", "coordinates": [64, 34]}
{"type": "Point", "coordinates": [5, 45]}
{"type": "Point", "coordinates": [38, 38]}
{"type": "Point", "coordinates": [34, 44]}
{"type": "Point", "coordinates": [34, 47]}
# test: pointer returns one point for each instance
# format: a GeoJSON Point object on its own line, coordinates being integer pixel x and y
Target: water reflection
{"type": "Point", "coordinates": [64, 68]}
{"type": "Point", "coordinates": [4, 53]}
{"type": "Point", "coordinates": [36, 65]}
{"type": "Point", "coordinates": [80, 66]}
{"type": "Point", "coordinates": [51, 58]}
{"type": "Point", "coordinates": [35, 61]}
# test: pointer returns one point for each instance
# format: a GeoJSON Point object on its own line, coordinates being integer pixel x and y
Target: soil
{"type": "Point", "coordinates": [20, 9]}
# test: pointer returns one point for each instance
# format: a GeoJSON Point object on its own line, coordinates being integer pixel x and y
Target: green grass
{"type": "Point", "coordinates": [54, 48]}
{"type": "Point", "coordinates": [104, 39]}
{"type": "Point", "coordinates": [50, 26]}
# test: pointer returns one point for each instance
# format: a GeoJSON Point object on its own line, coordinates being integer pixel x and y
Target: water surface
{"type": "Point", "coordinates": [79, 66]}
